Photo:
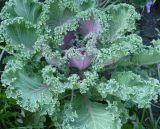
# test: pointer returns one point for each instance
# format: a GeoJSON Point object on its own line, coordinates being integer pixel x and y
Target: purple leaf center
{"type": "Point", "coordinates": [81, 61]}
{"type": "Point", "coordinates": [67, 39]}
{"type": "Point", "coordinates": [86, 27]}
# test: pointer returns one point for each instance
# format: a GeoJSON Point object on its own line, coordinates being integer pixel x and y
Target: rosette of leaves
{"type": "Point", "coordinates": [76, 62]}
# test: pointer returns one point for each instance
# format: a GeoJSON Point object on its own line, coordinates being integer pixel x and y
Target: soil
{"type": "Point", "coordinates": [149, 22]}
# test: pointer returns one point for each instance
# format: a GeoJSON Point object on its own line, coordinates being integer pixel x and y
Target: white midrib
{"type": "Point", "coordinates": [88, 105]}
{"type": "Point", "coordinates": [25, 11]}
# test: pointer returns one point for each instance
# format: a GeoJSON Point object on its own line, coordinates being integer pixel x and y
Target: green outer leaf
{"type": "Point", "coordinates": [30, 10]}
{"type": "Point", "coordinates": [19, 33]}
{"type": "Point", "coordinates": [84, 114]}
{"type": "Point", "coordinates": [27, 87]}
{"type": "Point", "coordinates": [122, 20]}
{"type": "Point", "coordinates": [129, 86]}
{"type": "Point", "coordinates": [146, 55]}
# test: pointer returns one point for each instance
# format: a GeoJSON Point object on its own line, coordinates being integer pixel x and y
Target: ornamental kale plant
{"type": "Point", "coordinates": [76, 62]}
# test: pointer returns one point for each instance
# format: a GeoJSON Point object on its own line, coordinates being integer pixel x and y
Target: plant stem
{"type": "Point", "coordinates": [151, 117]}
{"type": "Point", "coordinates": [142, 118]}
{"type": "Point", "coordinates": [72, 95]}
{"type": "Point", "coordinates": [1, 55]}
{"type": "Point", "coordinates": [158, 68]}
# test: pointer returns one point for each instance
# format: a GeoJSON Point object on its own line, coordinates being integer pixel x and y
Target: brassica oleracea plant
{"type": "Point", "coordinates": [76, 62]}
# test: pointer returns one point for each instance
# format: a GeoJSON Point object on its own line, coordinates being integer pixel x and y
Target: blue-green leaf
{"type": "Point", "coordinates": [27, 87]}
{"type": "Point", "coordinates": [28, 9]}
{"type": "Point", "coordinates": [84, 114]}
{"type": "Point", "coordinates": [129, 86]}
{"type": "Point", "coordinates": [122, 20]}
{"type": "Point", "coordinates": [19, 33]}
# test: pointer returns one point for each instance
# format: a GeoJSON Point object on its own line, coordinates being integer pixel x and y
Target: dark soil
{"type": "Point", "coordinates": [149, 22]}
